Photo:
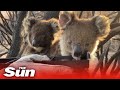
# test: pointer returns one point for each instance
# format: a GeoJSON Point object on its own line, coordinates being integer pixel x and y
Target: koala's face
{"type": "Point", "coordinates": [41, 34]}
{"type": "Point", "coordinates": [81, 36]}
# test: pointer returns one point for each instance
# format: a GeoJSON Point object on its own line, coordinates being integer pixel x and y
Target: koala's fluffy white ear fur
{"type": "Point", "coordinates": [103, 25]}
{"type": "Point", "coordinates": [65, 17]}
{"type": "Point", "coordinates": [54, 24]}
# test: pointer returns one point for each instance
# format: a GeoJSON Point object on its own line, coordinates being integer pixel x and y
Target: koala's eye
{"type": "Point", "coordinates": [87, 44]}
{"type": "Point", "coordinates": [54, 25]}
{"type": "Point", "coordinates": [69, 42]}
{"type": "Point", "coordinates": [57, 27]}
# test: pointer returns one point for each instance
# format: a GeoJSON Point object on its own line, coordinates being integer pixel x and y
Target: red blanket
{"type": "Point", "coordinates": [49, 70]}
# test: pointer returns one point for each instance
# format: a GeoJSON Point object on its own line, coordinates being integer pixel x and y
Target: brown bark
{"type": "Point", "coordinates": [16, 39]}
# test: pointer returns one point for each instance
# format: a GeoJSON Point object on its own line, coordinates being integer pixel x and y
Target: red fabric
{"type": "Point", "coordinates": [47, 71]}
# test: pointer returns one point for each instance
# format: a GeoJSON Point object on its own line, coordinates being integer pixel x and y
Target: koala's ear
{"type": "Point", "coordinates": [65, 17]}
{"type": "Point", "coordinates": [103, 25]}
{"type": "Point", "coordinates": [54, 24]}
{"type": "Point", "coordinates": [32, 21]}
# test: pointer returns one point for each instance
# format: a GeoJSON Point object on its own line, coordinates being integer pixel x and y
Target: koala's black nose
{"type": "Point", "coordinates": [77, 54]}
{"type": "Point", "coordinates": [77, 51]}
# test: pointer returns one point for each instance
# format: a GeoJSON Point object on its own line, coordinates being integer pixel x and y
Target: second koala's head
{"type": "Point", "coordinates": [81, 35]}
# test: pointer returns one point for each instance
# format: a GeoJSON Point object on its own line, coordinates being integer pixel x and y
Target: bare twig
{"type": "Point", "coordinates": [1, 54]}
{"type": "Point", "coordinates": [5, 22]}
{"type": "Point", "coordinates": [5, 38]}
{"type": "Point", "coordinates": [100, 63]}
{"type": "Point", "coordinates": [80, 14]}
{"type": "Point", "coordinates": [4, 46]}
{"type": "Point", "coordinates": [107, 51]}
{"type": "Point", "coordinates": [16, 39]}
{"type": "Point", "coordinates": [114, 25]}
{"type": "Point", "coordinates": [6, 35]}
{"type": "Point", "coordinates": [111, 60]}
{"type": "Point", "coordinates": [33, 14]}
{"type": "Point", "coordinates": [117, 17]}
{"type": "Point", "coordinates": [113, 32]}
{"type": "Point", "coordinates": [93, 13]}
{"type": "Point", "coordinates": [6, 29]}
{"type": "Point", "coordinates": [114, 66]}
{"type": "Point", "coordinates": [114, 12]}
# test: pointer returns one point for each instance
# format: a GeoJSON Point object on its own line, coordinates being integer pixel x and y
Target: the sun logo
{"type": "Point", "coordinates": [20, 72]}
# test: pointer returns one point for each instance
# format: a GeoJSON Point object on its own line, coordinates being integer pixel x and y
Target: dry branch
{"type": "Point", "coordinates": [114, 25]}
{"type": "Point", "coordinates": [7, 30]}
{"type": "Point", "coordinates": [113, 32]}
{"type": "Point", "coordinates": [114, 66]}
{"type": "Point", "coordinates": [16, 39]}
{"type": "Point", "coordinates": [100, 63]}
{"type": "Point", "coordinates": [5, 23]}
{"type": "Point", "coordinates": [112, 13]}
{"type": "Point", "coordinates": [117, 17]}
{"type": "Point", "coordinates": [111, 60]}
{"type": "Point", "coordinates": [5, 38]}
{"type": "Point", "coordinates": [1, 54]}
{"type": "Point", "coordinates": [4, 46]}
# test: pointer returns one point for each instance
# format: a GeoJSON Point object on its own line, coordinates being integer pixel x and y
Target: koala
{"type": "Point", "coordinates": [81, 37]}
{"type": "Point", "coordinates": [39, 35]}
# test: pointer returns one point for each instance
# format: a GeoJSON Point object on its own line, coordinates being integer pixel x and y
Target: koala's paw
{"type": "Point", "coordinates": [33, 57]}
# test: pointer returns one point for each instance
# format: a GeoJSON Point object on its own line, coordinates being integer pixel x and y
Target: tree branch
{"type": "Point", "coordinates": [111, 60]}
{"type": "Point", "coordinates": [16, 39]}
{"type": "Point", "coordinates": [114, 25]}
{"type": "Point", "coordinates": [113, 32]}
